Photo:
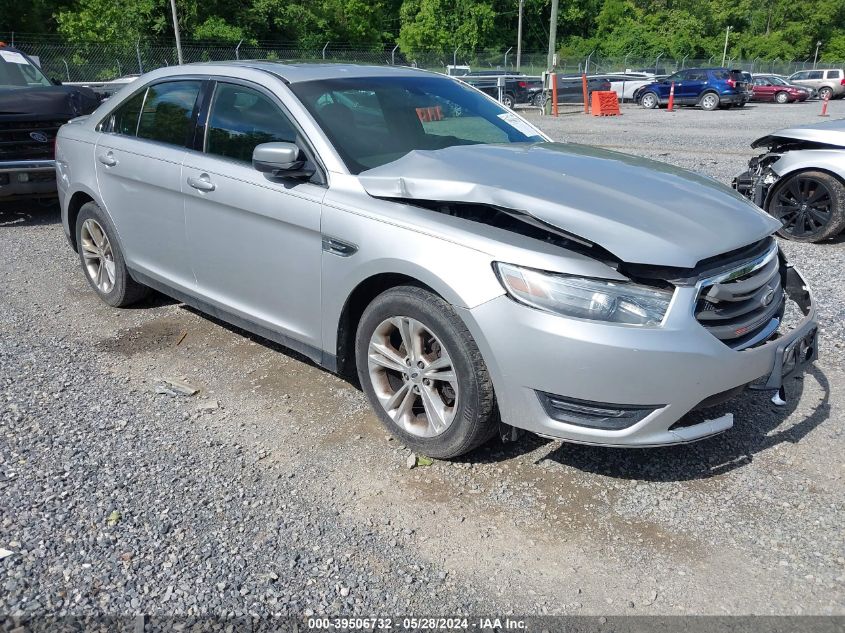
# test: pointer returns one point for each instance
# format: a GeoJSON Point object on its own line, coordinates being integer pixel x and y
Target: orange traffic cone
{"type": "Point", "coordinates": [671, 98]}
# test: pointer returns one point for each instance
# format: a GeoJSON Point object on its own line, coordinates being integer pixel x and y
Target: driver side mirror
{"type": "Point", "coordinates": [279, 159]}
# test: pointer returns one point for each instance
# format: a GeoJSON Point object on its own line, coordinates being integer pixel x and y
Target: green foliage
{"type": "Point", "coordinates": [764, 29]}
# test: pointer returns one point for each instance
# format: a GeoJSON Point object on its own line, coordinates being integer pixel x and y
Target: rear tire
{"type": "Point", "coordinates": [508, 101]}
{"type": "Point", "coordinates": [811, 206]}
{"type": "Point", "coordinates": [782, 97]}
{"type": "Point", "coordinates": [441, 412]}
{"type": "Point", "coordinates": [825, 92]}
{"type": "Point", "coordinates": [102, 260]}
{"type": "Point", "coordinates": [709, 101]}
{"type": "Point", "coordinates": [649, 101]}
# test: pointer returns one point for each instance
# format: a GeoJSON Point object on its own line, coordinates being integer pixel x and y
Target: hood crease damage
{"type": "Point", "coordinates": [638, 210]}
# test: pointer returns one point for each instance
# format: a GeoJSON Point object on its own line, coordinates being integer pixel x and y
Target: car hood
{"type": "Point", "coordinates": [641, 211]}
{"type": "Point", "coordinates": [827, 133]}
{"type": "Point", "coordinates": [61, 102]}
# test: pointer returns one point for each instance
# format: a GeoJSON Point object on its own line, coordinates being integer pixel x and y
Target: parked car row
{"type": "Point", "coordinates": [711, 88]}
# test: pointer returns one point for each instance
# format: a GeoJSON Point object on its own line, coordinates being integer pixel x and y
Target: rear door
{"type": "Point", "coordinates": [139, 164]}
{"type": "Point", "coordinates": [692, 85]}
{"type": "Point", "coordinates": [254, 240]}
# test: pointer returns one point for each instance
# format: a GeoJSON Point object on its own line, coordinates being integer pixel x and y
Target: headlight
{"type": "Point", "coordinates": [585, 298]}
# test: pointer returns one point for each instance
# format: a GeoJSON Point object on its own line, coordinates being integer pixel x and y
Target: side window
{"type": "Point", "coordinates": [759, 81]}
{"type": "Point", "coordinates": [124, 120]}
{"type": "Point", "coordinates": [695, 75]}
{"type": "Point", "coordinates": [242, 118]}
{"type": "Point", "coordinates": [834, 74]}
{"type": "Point", "coordinates": [168, 108]}
{"type": "Point", "coordinates": [814, 74]}
{"type": "Point", "coordinates": [799, 76]}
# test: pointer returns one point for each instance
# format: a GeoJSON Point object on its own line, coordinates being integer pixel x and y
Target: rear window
{"type": "Point", "coordinates": [834, 74]}
{"type": "Point", "coordinates": [167, 112]}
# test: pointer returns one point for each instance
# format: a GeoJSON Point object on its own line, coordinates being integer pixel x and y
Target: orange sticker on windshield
{"type": "Point", "coordinates": [434, 113]}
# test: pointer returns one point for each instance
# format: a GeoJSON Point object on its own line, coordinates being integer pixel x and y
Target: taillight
{"type": "Point", "coordinates": [842, 82]}
{"type": "Point", "coordinates": [522, 84]}
{"type": "Point", "coordinates": [731, 83]}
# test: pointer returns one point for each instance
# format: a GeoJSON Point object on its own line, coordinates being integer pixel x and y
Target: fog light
{"type": "Point", "coordinates": [594, 415]}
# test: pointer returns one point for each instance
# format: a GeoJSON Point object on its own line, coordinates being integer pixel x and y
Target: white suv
{"type": "Point", "coordinates": [829, 82]}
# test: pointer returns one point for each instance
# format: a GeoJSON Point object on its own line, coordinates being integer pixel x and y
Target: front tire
{"type": "Point", "coordinates": [782, 97]}
{"type": "Point", "coordinates": [810, 205]}
{"type": "Point", "coordinates": [649, 101]}
{"type": "Point", "coordinates": [508, 101]}
{"type": "Point", "coordinates": [102, 260]}
{"type": "Point", "coordinates": [423, 373]}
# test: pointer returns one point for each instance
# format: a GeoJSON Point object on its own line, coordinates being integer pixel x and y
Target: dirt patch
{"type": "Point", "coordinates": [153, 336]}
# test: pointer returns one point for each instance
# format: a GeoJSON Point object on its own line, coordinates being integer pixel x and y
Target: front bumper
{"type": "Point", "coordinates": [672, 369]}
{"type": "Point", "coordinates": [27, 179]}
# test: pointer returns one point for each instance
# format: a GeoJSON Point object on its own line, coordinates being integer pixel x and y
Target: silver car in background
{"type": "Point", "coordinates": [800, 180]}
{"type": "Point", "coordinates": [403, 228]}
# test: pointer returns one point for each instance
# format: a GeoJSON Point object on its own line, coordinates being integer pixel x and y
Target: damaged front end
{"type": "Point", "coordinates": [782, 156]}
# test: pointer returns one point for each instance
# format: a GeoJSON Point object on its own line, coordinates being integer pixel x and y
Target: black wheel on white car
{"type": "Point", "coordinates": [102, 260]}
{"type": "Point", "coordinates": [825, 92]}
{"type": "Point", "coordinates": [782, 97]}
{"type": "Point", "coordinates": [810, 205]}
{"type": "Point", "coordinates": [649, 101]}
{"type": "Point", "coordinates": [423, 373]}
{"type": "Point", "coordinates": [709, 101]}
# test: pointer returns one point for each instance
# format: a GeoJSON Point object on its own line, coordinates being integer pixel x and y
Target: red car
{"type": "Point", "coordinates": [772, 88]}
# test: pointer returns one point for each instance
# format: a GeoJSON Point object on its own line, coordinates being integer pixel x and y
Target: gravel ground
{"type": "Point", "coordinates": [275, 490]}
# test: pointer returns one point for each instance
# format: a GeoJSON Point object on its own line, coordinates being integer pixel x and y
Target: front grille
{"type": "Point", "coordinates": [743, 306]}
{"type": "Point", "coordinates": [25, 140]}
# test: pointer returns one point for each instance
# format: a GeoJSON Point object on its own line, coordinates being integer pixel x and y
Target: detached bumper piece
{"type": "Point", "coordinates": [594, 415]}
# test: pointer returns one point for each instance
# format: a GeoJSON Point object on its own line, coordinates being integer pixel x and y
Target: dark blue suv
{"type": "Point", "coordinates": [706, 87]}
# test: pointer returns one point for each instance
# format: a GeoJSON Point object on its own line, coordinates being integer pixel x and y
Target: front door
{"type": "Point", "coordinates": [692, 85]}
{"type": "Point", "coordinates": [139, 164]}
{"type": "Point", "coordinates": [254, 240]}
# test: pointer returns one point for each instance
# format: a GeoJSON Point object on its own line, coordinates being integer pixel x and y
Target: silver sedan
{"type": "Point", "coordinates": [404, 229]}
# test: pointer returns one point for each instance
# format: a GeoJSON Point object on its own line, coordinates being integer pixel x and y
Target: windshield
{"type": "Point", "coordinates": [376, 120]}
{"type": "Point", "coordinates": [16, 71]}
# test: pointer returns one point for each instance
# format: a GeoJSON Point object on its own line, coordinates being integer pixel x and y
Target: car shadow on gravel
{"type": "Point", "coordinates": [757, 427]}
{"type": "Point", "coordinates": [30, 213]}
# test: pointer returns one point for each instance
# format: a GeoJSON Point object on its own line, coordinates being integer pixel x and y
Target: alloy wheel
{"type": "Point", "coordinates": [98, 255]}
{"type": "Point", "coordinates": [648, 101]}
{"type": "Point", "coordinates": [781, 97]}
{"type": "Point", "coordinates": [413, 376]}
{"type": "Point", "coordinates": [803, 205]}
{"type": "Point", "coordinates": [709, 101]}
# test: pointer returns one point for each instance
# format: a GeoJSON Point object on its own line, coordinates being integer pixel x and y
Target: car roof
{"type": "Point", "coordinates": [293, 72]}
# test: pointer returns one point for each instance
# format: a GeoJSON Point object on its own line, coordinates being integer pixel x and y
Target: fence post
{"type": "Point", "coordinates": [119, 71]}
{"type": "Point", "coordinates": [67, 70]}
{"type": "Point", "coordinates": [393, 55]}
{"type": "Point", "coordinates": [138, 53]}
{"type": "Point", "coordinates": [324, 49]}
{"type": "Point", "coordinates": [237, 50]}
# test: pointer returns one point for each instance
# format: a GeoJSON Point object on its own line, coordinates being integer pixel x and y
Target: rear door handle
{"type": "Point", "coordinates": [107, 159]}
{"type": "Point", "coordinates": [203, 183]}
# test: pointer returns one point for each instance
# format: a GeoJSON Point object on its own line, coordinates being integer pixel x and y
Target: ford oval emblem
{"type": "Point", "coordinates": [39, 136]}
{"type": "Point", "coordinates": [768, 297]}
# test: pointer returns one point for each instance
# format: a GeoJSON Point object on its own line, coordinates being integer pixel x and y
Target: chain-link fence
{"type": "Point", "coordinates": [96, 61]}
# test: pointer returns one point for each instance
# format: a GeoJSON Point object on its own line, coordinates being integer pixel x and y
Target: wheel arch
{"type": "Point", "coordinates": [357, 301]}
{"type": "Point", "coordinates": [74, 201]}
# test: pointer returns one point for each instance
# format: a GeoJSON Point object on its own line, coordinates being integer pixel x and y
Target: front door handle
{"type": "Point", "coordinates": [107, 159]}
{"type": "Point", "coordinates": [203, 183]}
